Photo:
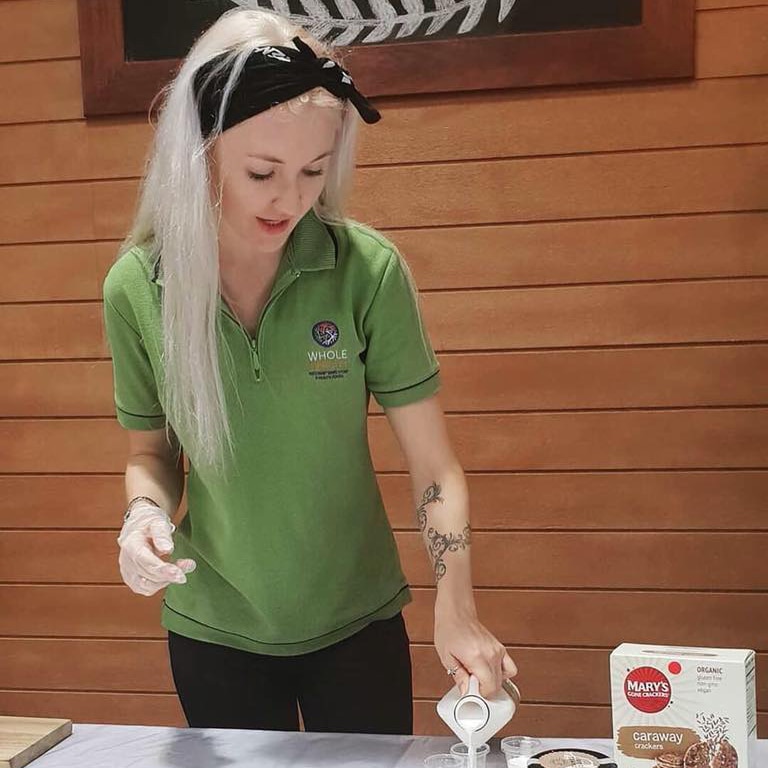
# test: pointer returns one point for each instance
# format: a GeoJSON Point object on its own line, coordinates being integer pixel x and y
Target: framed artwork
{"type": "Point", "coordinates": [130, 48]}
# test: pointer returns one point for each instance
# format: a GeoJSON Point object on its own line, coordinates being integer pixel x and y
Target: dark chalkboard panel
{"type": "Point", "coordinates": [165, 29]}
{"type": "Point", "coordinates": [130, 48]}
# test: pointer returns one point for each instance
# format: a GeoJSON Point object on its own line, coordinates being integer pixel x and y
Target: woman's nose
{"type": "Point", "coordinates": [289, 200]}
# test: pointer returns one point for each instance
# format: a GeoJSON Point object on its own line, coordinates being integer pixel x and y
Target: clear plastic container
{"type": "Point", "coordinates": [442, 761]}
{"type": "Point", "coordinates": [519, 746]}
{"type": "Point", "coordinates": [461, 751]}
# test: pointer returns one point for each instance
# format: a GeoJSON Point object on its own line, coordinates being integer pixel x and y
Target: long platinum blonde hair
{"type": "Point", "coordinates": [177, 223]}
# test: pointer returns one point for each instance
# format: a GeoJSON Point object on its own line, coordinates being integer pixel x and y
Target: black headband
{"type": "Point", "coordinates": [272, 75]}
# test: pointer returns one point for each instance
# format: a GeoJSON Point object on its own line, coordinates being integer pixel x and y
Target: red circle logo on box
{"type": "Point", "coordinates": [647, 689]}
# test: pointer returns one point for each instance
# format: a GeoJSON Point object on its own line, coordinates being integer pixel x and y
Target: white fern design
{"type": "Point", "coordinates": [318, 20]}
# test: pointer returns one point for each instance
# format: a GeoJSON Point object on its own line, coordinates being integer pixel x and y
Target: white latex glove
{"type": "Point", "coordinates": [145, 536]}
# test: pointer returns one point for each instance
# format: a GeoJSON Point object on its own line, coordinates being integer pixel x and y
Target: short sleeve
{"type": "Point", "coordinates": [400, 364]}
{"type": "Point", "coordinates": [136, 399]}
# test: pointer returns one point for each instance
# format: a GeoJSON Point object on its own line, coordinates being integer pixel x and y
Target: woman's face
{"type": "Point", "coordinates": [272, 169]}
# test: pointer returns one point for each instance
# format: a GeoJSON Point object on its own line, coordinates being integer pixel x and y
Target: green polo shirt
{"type": "Point", "coordinates": [294, 550]}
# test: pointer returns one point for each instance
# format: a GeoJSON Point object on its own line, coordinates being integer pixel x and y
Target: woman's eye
{"type": "Point", "coordinates": [264, 177]}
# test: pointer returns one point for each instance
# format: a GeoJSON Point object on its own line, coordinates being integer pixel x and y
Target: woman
{"type": "Point", "coordinates": [249, 321]}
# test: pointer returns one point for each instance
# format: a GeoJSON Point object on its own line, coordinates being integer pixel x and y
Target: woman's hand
{"type": "Point", "coordinates": [144, 538]}
{"type": "Point", "coordinates": [465, 645]}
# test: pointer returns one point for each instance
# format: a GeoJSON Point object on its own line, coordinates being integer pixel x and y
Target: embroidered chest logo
{"type": "Point", "coordinates": [325, 333]}
{"type": "Point", "coordinates": [327, 363]}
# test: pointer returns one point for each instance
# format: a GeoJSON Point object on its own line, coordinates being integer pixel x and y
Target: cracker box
{"type": "Point", "coordinates": [683, 707]}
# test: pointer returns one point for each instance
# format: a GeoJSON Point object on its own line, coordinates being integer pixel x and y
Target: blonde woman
{"type": "Point", "coordinates": [249, 322]}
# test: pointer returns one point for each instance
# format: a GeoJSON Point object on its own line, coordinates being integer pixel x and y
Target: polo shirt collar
{"type": "Point", "coordinates": [312, 246]}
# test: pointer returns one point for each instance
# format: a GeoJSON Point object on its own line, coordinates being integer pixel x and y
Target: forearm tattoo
{"type": "Point", "coordinates": [439, 543]}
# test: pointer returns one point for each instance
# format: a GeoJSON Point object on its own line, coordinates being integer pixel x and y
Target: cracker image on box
{"type": "Point", "coordinates": [679, 707]}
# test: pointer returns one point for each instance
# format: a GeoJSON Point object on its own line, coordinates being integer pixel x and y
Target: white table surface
{"type": "Point", "coordinates": [124, 746]}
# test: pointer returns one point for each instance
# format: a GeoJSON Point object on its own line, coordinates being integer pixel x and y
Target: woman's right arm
{"type": "Point", "coordinates": [154, 470]}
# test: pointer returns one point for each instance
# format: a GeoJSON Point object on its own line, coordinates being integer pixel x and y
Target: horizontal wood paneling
{"type": "Point", "coordinates": [62, 212]}
{"type": "Point", "coordinates": [732, 42]}
{"type": "Point", "coordinates": [709, 245]}
{"type": "Point", "coordinates": [607, 250]}
{"type": "Point", "coordinates": [634, 501]}
{"type": "Point", "coordinates": [722, 438]}
{"type": "Point", "coordinates": [109, 708]}
{"type": "Point", "coordinates": [86, 665]}
{"type": "Point", "coordinates": [57, 501]}
{"type": "Point", "coordinates": [57, 389]}
{"type": "Point", "coordinates": [670, 114]}
{"type": "Point", "coordinates": [687, 376]}
{"type": "Point", "coordinates": [52, 212]}
{"type": "Point", "coordinates": [438, 128]}
{"type": "Point", "coordinates": [682, 560]}
{"type": "Point", "coordinates": [690, 376]}
{"type": "Point", "coordinates": [566, 675]}
{"type": "Point", "coordinates": [674, 439]}
{"type": "Point", "coordinates": [516, 617]}
{"type": "Point", "coordinates": [586, 560]}
{"type": "Point", "coordinates": [711, 5]}
{"type": "Point", "coordinates": [562, 618]}
{"type": "Point", "coordinates": [40, 91]}
{"type": "Point", "coordinates": [106, 148]}
{"type": "Point", "coordinates": [570, 676]}
{"type": "Point", "coordinates": [598, 315]}
{"type": "Point", "coordinates": [569, 316]}
{"type": "Point", "coordinates": [596, 186]}
{"type": "Point", "coordinates": [644, 183]}
{"type": "Point", "coordinates": [38, 29]}
{"type": "Point", "coordinates": [95, 611]}
{"type": "Point", "coordinates": [60, 272]}
{"type": "Point", "coordinates": [60, 556]}
{"type": "Point", "coordinates": [52, 330]}
{"type": "Point", "coordinates": [524, 501]}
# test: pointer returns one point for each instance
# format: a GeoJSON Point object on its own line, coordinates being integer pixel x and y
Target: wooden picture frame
{"type": "Point", "coordinates": [661, 47]}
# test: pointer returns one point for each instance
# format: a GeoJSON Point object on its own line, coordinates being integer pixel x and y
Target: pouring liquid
{"type": "Point", "coordinates": [472, 718]}
{"type": "Point", "coordinates": [471, 747]}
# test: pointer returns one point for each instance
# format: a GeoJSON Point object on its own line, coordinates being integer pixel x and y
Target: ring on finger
{"type": "Point", "coordinates": [452, 670]}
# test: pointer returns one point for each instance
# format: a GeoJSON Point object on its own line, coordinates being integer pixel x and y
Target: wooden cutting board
{"type": "Point", "coordinates": [23, 739]}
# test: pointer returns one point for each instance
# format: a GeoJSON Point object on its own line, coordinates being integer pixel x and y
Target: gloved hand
{"type": "Point", "coordinates": [145, 535]}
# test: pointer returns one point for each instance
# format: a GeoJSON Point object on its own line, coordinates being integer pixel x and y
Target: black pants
{"type": "Point", "coordinates": [359, 685]}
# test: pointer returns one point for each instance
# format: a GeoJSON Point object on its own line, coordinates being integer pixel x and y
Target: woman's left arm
{"type": "Point", "coordinates": [442, 514]}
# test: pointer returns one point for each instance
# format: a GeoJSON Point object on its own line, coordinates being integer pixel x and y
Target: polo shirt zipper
{"type": "Point", "coordinates": [255, 363]}
{"type": "Point", "coordinates": [254, 344]}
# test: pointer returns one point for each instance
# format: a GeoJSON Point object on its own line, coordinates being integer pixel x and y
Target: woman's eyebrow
{"type": "Point", "coordinates": [282, 162]}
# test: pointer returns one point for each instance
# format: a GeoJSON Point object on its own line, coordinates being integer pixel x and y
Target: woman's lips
{"type": "Point", "coordinates": [273, 227]}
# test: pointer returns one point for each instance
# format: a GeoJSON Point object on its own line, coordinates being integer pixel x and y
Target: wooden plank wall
{"type": "Point", "coordinates": [594, 276]}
